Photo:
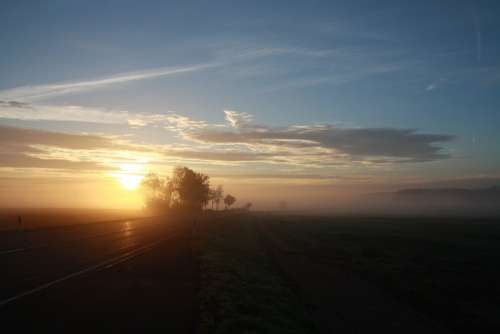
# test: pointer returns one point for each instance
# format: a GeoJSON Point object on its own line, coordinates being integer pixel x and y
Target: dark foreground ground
{"type": "Point", "coordinates": [401, 274]}
{"type": "Point", "coordinates": [299, 274]}
{"type": "Point", "coordinates": [130, 276]}
{"type": "Point", "coordinates": [254, 273]}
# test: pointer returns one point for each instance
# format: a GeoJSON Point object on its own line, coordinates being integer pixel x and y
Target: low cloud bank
{"type": "Point", "coordinates": [241, 140]}
{"type": "Point", "coordinates": [438, 202]}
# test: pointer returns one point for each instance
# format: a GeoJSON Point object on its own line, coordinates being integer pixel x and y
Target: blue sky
{"type": "Point", "coordinates": [433, 66]}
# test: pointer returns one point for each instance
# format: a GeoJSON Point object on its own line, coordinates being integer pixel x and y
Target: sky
{"type": "Point", "coordinates": [309, 102]}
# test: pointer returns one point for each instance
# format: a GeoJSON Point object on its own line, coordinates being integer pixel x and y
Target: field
{"type": "Point", "coordinates": [439, 272]}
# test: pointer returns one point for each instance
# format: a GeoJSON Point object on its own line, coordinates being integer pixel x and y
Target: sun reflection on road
{"type": "Point", "coordinates": [128, 237]}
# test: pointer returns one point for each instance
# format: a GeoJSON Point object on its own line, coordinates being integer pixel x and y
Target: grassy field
{"type": "Point", "coordinates": [42, 218]}
{"type": "Point", "coordinates": [446, 269]}
{"type": "Point", "coordinates": [241, 290]}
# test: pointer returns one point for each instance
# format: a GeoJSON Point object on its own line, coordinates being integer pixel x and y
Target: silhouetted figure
{"type": "Point", "coordinates": [19, 222]}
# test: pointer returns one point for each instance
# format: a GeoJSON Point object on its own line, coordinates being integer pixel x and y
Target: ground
{"type": "Point", "coordinates": [231, 272]}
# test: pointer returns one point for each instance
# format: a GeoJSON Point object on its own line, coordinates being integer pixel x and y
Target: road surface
{"type": "Point", "coordinates": [127, 276]}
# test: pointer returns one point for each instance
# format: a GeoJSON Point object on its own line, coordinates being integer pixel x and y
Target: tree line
{"type": "Point", "coordinates": [185, 190]}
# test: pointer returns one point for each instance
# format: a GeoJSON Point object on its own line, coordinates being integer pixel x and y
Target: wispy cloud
{"type": "Point", "coordinates": [30, 148]}
{"type": "Point", "coordinates": [297, 65]}
{"type": "Point", "coordinates": [13, 138]}
{"type": "Point", "coordinates": [34, 112]}
{"type": "Point", "coordinates": [29, 93]}
{"type": "Point", "coordinates": [40, 112]}
{"type": "Point", "coordinates": [26, 93]}
{"type": "Point", "coordinates": [436, 84]}
{"type": "Point", "coordinates": [237, 119]}
{"type": "Point", "coordinates": [346, 70]}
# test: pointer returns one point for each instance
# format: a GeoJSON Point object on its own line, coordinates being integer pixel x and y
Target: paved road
{"type": "Point", "coordinates": [122, 277]}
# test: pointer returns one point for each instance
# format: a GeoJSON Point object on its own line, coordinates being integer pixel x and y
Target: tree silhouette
{"type": "Point", "coordinates": [186, 190]}
{"type": "Point", "coordinates": [218, 194]}
{"type": "Point", "coordinates": [229, 200]}
{"type": "Point", "coordinates": [157, 192]}
{"type": "Point", "coordinates": [211, 198]}
{"type": "Point", "coordinates": [192, 189]}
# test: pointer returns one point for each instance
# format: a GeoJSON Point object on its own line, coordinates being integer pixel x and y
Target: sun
{"type": "Point", "coordinates": [130, 182]}
{"type": "Point", "coordinates": [130, 175]}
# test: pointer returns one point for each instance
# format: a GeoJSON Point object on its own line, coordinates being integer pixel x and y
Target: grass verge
{"type": "Point", "coordinates": [241, 291]}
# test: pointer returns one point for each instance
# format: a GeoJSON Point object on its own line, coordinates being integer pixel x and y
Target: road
{"type": "Point", "coordinates": [123, 276]}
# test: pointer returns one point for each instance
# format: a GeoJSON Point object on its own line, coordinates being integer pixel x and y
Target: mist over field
{"type": "Point", "coordinates": [314, 199]}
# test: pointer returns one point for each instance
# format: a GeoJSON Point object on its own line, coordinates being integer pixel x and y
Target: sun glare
{"type": "Point", "coordinates": [130, 175]}
{"type": "Point", "coordinates": [130, 182]}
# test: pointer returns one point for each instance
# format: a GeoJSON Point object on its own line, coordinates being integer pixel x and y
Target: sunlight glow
{"type": "Point", "coordinates": [130, 175]}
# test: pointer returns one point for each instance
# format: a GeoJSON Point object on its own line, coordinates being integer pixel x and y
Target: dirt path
{"type": "Point", "coordinates": [339, 301]}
